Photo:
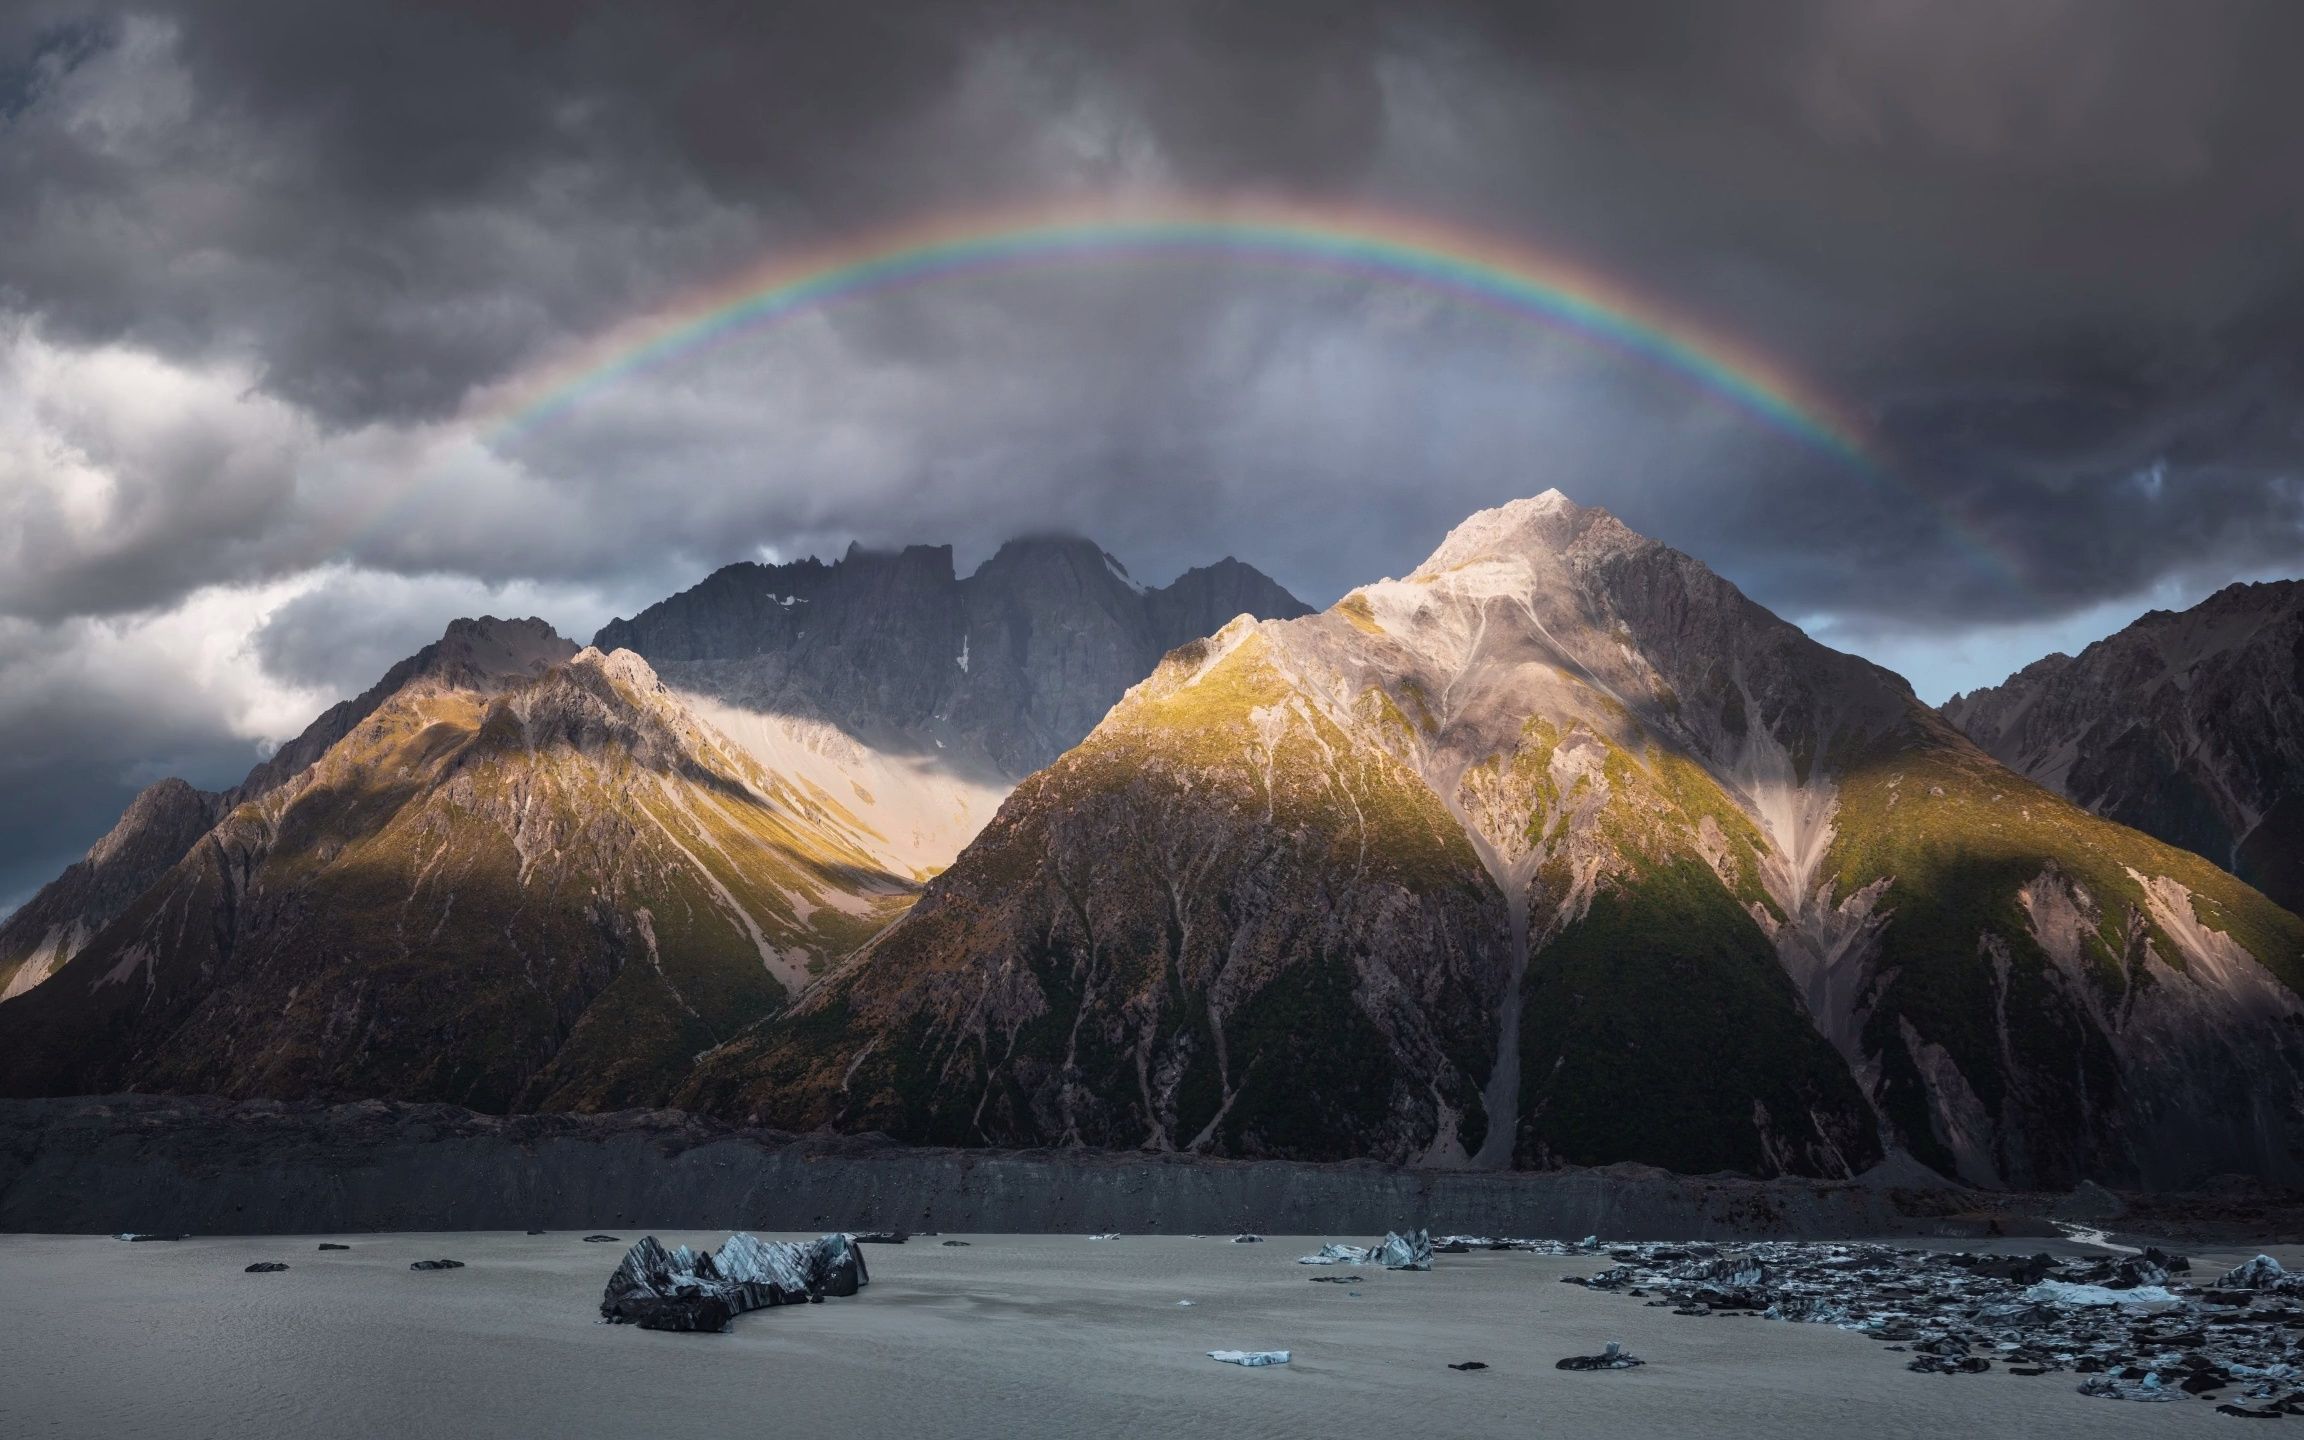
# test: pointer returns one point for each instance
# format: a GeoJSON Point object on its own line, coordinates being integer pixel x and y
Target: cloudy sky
{"type": "Point", "coordinates": [267, 266]}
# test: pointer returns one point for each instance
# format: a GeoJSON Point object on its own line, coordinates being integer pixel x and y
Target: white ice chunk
{"type": "Point", "coordinates": [1250, 1357]}
{"type": "Point", "coordinates": [2059, 1292]}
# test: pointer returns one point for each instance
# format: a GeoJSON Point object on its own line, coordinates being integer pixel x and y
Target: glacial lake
{"type": "Point", "coordinates": [1006, 1336]}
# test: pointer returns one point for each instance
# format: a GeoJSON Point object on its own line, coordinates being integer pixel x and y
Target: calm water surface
{"type": "Point", "coordinates": [1010, 1336]}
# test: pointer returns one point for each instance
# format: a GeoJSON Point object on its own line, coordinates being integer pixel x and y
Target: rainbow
{"type": "Point", "coordinates": [1463, 265]}
{"type": "Point", "coordinates": [1481, 269]}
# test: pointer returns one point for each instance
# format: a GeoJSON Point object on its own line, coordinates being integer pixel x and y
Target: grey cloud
{"type": "Point", "coordinates": [2048, 249]}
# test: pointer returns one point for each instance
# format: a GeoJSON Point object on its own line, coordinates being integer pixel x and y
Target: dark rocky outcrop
{"type": "Point", "coordinates": [698, 1292]}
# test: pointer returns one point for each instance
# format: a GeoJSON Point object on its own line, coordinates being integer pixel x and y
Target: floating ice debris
{"type": "Point", "coordinates": [139, 1235]}
{"type": "Point", "coordinates": [602, 1240]}
{"type": "Point", "coordinates": [2261, 1273]}
{"type": "Point", "coordinates": [878, 1237]}
{"type": "Point", "coordinates": [2122, 1321]}
{"type": "Point", "coordinates": [331, 1245]}
{"type": "Point", "coordinates": [436, 1265]}
{"type": "Point", "coordinates": [265, 1267]}
{"type": "Point", "coordinates": [1468, 1365]}
{"type": "Point", "coordinates": [1405, 1252]}
{"type": "Point", "coordinates": [1612, 1358]}
{"type": "Point", "coordinates": [1107, 1235]}
{"type": "Point", "coordinates": [1393, 1252]}
{"type": "Point", "coordinates": [1251, 1358]}
{"type": "Point", "coordinates": [2149, 1389]}
{"type": "Point", "coordinates": [1247, 1239]}
{"type": "Point", "coordinates": [1459, 1244]}
{"type": "Point", "coordinates": [2059, 1292]}
{"type": "Point", "coordinates": [1182, 1304]}
{"type": "Point", "coordinates": [960, 1244]}
{"type": "Point", "coordinates": [700, 1291]}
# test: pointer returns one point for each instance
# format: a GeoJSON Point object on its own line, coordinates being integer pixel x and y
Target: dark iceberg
{"type": "Point", "coordinates": [700, 1291]}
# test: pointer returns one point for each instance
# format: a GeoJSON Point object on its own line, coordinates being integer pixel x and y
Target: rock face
{"type": "Point", "coordinates": [2189, 727]}
{"type": "Point", "coordinates": [915, 696]}
{"type": "Point", "coordinates": [168, 818]}
{"type": "Point", "coordinates": [527, 878]}
{"type": "Point", "coordinates": [1012, 665]}
{"type": "Point", "coordinates": [1560, 850]}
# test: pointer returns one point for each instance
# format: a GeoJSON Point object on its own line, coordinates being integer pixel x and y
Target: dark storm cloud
{"type": "Point", "coordinates": [256, 257]}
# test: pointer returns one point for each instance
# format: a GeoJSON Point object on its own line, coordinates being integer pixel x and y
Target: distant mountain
{"type": "Point", "coordinates": [2187, 726]}
{"type": "Point", "coordinates": [918, 696]}
{"type": "Point", "coordinates": [168, 818]}
{"type": "Point", "coordinates": [504, 887]}
{"type": "Point", "coordinates": [1558, 850]}
{"type": "Point", "coordinates": [1012, 664]}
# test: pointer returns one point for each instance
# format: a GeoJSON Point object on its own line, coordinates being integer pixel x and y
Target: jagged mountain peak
{"type": "Point", "coordinates": [481, 651]}
{"type": "Point", "coordinates": [1534, 525]}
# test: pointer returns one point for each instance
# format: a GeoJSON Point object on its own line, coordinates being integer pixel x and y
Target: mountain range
{"type": "Point", "coordinates": [1557, 850]}
{"type": "Point", "coordinates": [520, 875]}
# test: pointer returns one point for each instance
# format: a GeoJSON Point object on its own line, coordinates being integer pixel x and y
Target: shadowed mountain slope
{"type": "Point", "coordinates": [1558, 850]}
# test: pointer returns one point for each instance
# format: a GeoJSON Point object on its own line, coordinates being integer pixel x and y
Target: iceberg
{"type": "Point", "coordinates": [1405, 1252]}
{"type": "Point", "coordinates": [1251, 1358]}
{"type": "Point", "coordinates": [1393, 1252]}
{"type": "Point", "coordinates": [2062, 1292]}
{"type": "Point", "coordinates": [700, 1291]}
{"type": "Point", "coordinates": [2261, 1273]}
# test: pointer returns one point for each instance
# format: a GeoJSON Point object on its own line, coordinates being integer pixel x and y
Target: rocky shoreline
{"type": "Point", "coordinates": [157, 1163]}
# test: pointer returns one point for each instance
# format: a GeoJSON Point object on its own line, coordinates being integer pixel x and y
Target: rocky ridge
{"type": "Point", "coordinates": [2189, 727]}
{"type": "Point", "coordinates": [919, 696]}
